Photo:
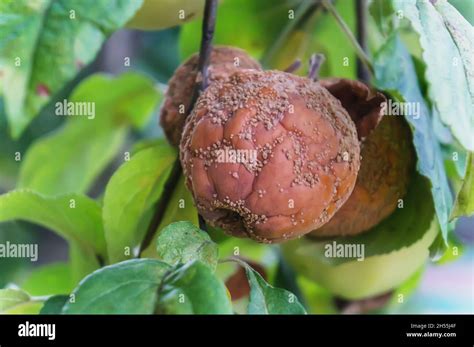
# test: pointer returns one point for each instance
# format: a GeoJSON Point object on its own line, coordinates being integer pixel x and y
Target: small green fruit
{"type": "Point", "coordinates": [356, 280]}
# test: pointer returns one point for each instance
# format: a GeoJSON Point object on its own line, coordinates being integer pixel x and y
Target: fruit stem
{"type": "Point", "coordinates": [294, 67]}
{"type": "Point", "coordinates": [208, 28]}
{"type": "Point", "coordinates": [315, 63]}
{"type": "Point", "coordinates": [361, 32]}
{"type": "Point", "coordinates": [345, 28]}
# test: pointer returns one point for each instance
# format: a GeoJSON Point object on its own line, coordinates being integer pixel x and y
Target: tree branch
{"type": "Point", "coordinates": [208, 27]}
{"type": "Point", "coordinates": [361, 19]}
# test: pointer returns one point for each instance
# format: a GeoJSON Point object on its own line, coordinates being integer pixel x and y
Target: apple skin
{"type": "Point", "coordinates": [160, 14]}
{"type": "Point", "coordinates": [357, 280]}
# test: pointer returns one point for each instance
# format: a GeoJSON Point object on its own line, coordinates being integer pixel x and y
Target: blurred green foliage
{"type": "Point", "coordinates": [52, 35]}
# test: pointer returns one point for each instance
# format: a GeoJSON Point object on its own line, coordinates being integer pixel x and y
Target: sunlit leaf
{"type": "Point", "coordinates": [182, 242]}
{"type": "Point", "coordinates": [70, 159]}
{"type": "Point", "coordinates": [180, 208]}
{"type": "Point", "coordinates": [74, 217]}
{"type": "Point", "coordinates": [132, 190]}
{"type": "Point", "coordinates": [447, 73]}
{"type": "Point", "coordinates": [44, 44]}
{"type": "Point", "coordinates": [396, 75]}
{"type": "Point", "coordinates": [464, 204]}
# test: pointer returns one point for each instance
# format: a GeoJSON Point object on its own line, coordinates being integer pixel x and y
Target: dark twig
{"type": "Point", "coordinates": [363, 73]}
{"type": "Point", "coordinates": [315, 63]}
{"type": "Point", "coordinates": [293, 67]}
{"type": "Point", "coordinates": [208, 27]}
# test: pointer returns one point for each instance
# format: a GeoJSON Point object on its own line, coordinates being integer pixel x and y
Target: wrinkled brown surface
{"type": "Point", "coordinates": [307, 155]}
{"type": "Point", "coordinates": [362, 103]}
{"type": "Point", "coordinates": [223, 61]}
{"type": "Point", "coordinates": [387, 159]}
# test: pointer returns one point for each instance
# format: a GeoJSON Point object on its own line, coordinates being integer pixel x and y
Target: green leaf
{"type": "Point", "coordinates": [181, 207]}
{"type": "Point", "coordinates": [248, 251]}
{"type": "Point", "coordinates": [74, 217]}
{"type": "Point", "coordinates": [131, 191]}
{"type": "Point", "coordinates": [462, 33]}
{"type": "Point", "coordinates": [44, 44]}
{"type": "Point", "coordinates": [438, 248]}
{"type": "Point", "coordinates": [129, 287]}
{"type": "Point", "coordinates": [9, 167]}
{"type": "Point", "coordinates": [54, 305]}
{"type": "Point", "coordinates": [69, 159]}
{"type": "Point", "coordinates": [447, 73]}
{"type": "Point", "coordinates": [296, 46]}
{"type": "Point", "coordinates": [383, 14]}
{"type": "Point", "coordinates": [317, 35]}
{"type": "Point", "coordinates": [146, 286]}
{"type": "Point", "coordinates": [462, 161]}
{"type": "Point", "coordinates": [49, 280]}
{"type": "Point", "coordinates": [263, 20]}
{"type": "Point", "coordinates": [265, 299]}
{"type": "Point", "coordinates": [464, 204]}
{"type": "Point", "coordinates": [193, 289]}
{"type": "Point", "coordinates": [12, 297]}
{"type": "Point", "coordinates": [452, 252]}
{"type": "Point", "coordinates": [183, 242]}
{"type": "Point", "coordinates": [286, 277]}
{"type": "Point", "coordinates": [14, 269]}
{"type": "Point", "coordinates": [396, 75]}
{"type": "Point", "coordinates": [340, 58]}
{"type": "Point", "coordinates": [15, 301]}
{"type": "Point", "coordinates": [402, 228]}
{"type": "Point", "coordinates": [147, 143]}
{"type": "Point", "coordinates": [466, 8]}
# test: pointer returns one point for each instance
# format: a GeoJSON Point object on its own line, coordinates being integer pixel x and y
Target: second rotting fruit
{"type": "Point", "coordinates": [387, 159]}
{"type": "Point", "coordinates": [269, 155]}
{"type": "Point", "coordinates": [223, 62]}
